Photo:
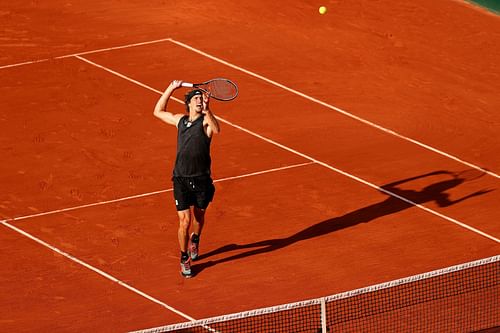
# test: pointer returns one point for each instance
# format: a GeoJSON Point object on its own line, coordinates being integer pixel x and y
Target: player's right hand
{"type": "Point", "coordinates": [176, 84]}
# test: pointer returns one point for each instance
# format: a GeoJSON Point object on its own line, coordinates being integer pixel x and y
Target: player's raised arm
{"type": "Point", "coordinates": [160, 110]}
{"type": "Point", "coordinates": [210, 122]}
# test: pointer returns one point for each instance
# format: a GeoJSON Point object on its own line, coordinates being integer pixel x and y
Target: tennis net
{"type": "Point", "coordinates": [461, 298]}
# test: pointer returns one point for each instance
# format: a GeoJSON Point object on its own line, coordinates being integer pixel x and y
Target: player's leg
{"type": "Point", "coordinates": [199, 220]}
{"type": "Point", "coordinates": [205, 191]}
{"type": "Point", "coordinates": [182, 203]}
{"type": "Point", "coordinates": [183, 231]}
{"type": "Point", "coordinates": [183, 236]}
{"type": "Point", "coordinates": [194, 240]}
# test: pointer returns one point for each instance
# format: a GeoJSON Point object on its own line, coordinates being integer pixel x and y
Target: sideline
{"type": "Point", "coordinates": [312, 159]}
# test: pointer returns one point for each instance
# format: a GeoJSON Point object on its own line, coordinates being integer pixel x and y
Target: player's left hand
{"type": "Point", "coordinates": [206, 101]}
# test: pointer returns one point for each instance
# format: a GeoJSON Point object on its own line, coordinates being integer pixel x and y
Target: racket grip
{"type": "Point", "coordinates": [187, 84]}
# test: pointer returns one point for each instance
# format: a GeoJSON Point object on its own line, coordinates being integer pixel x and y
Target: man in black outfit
{"type": "Point", "coordinates": [193, 186]}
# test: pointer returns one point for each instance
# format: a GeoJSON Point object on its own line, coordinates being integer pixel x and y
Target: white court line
{"type": "Point", "coordinates": [24, 63]}
{"type": "Point", "coordinates": [307, 157]}
{"type": "Point", "coordinates": [87, 52]}
{"type": "Point", "coordinates": [101, 272]}
{"type": "Point", "coordinates": [100, 203]}
{"type": "Point", "coordinates": [329, 106]}
{"type": "Point", "coordinates": [96, 270]}
{"type": "Point", "coordinates": [249, 132]}
{"type": "Point", "coordinates": [115, 48]}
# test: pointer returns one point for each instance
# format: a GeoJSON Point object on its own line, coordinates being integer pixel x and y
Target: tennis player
{"type": "Point", "coordinates": [193, 185]}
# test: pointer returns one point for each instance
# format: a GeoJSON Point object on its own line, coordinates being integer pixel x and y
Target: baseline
{"type": "Point", "coordinates": [332, 107]}
{"type": "Point", "coordinates": [312, 99]}
{"type": "Point", "coordinates": [85, 52]}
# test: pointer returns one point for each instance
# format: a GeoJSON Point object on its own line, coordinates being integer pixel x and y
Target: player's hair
{"type": "Point", "coordinates": [189, 95]}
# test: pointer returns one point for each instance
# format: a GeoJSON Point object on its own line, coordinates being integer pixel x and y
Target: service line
{"type": "Point", "coordinates": [307, 157]}
{"type": "Point", "coordinates": [263, 78]}
{"type": "Point", "coordinates": [332, 107]}
{"type": "Point", "coordinates": [148, 194]}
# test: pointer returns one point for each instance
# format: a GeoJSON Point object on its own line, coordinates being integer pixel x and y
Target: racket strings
{"type": "Point", "coordinates": [222, 89]}
{"type": "Point", "coordinates": [470, 174]}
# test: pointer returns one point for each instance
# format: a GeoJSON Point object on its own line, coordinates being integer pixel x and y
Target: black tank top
{"type": "Point", "coordinates": [193, 149]}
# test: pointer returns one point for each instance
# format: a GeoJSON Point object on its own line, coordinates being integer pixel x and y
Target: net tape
{"type": "Point", "coordinates": [205, 323]}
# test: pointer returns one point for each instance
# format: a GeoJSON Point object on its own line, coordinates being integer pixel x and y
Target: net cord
{"type": "Point", "coordinates": [412, 279]}
{"type": "Point", "coordinates": [336, 297]}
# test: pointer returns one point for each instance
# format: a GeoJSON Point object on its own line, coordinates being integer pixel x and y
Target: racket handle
{"type": "Point", "coordinates": [187, 84]}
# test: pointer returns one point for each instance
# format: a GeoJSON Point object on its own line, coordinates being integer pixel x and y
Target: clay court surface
{"type": "Point", "coordinates": [398, 96]}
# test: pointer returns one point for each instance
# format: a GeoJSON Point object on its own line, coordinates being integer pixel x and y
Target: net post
{"type": "Point", "coordinates": [323, 315]}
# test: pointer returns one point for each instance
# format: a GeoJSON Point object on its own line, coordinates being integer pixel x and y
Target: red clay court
{"type": "Point", "coordinates": [340, 164]}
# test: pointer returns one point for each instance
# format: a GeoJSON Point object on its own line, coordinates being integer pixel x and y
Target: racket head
{"type": "Point", "coordinates": [219, 88]}
{"type": "Point", "coordinates": [470, 174]}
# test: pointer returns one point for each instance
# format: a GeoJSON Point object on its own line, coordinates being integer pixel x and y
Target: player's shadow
{"type": "Point", "coordinates": [398, 200]}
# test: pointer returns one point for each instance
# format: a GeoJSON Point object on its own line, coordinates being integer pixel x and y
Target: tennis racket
{"type": "Point", "coordinates": [469, 174]}
{"type": "Point", "coordinates": [219, 88]}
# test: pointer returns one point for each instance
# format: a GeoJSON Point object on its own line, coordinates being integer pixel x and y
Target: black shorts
{"type": "Point", "coordinates": [193, 191]}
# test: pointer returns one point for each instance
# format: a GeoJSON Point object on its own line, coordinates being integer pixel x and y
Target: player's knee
{"type": "Point", "coordinates": [184, 221]}
{"type": "Point", "coordinates": [199, 214]}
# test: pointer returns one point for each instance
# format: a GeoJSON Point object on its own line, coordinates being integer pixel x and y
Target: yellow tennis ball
{"type": "Point", "coordinates": [322, 10]}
